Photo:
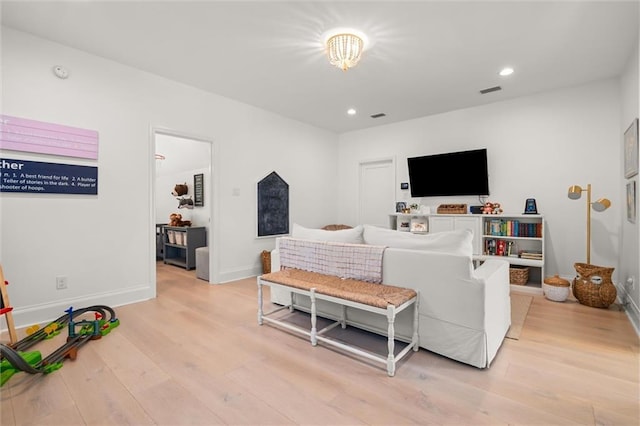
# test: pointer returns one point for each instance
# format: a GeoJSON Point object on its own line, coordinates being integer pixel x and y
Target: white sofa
{"type": "Point", "coordinates": [465, 312]}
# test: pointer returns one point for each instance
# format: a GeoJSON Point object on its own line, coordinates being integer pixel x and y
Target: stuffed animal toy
{"type": "Point", "coordinates": [491, 208]}
{"type": "Point", "coordinates": [185, 203]}
{"type": "Point", "coordinates": [180, 189]}
{"type": "Point", "coordinates": [175, 219]}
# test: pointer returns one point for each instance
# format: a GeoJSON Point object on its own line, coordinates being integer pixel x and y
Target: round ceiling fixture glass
{"type": "Point", "coordinates": [506, 71]}
{"type": "Point", "coordinates": [351, 111]}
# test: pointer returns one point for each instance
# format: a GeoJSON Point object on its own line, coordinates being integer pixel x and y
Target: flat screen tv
{"type": "Point", "coordinates": [453, 173]}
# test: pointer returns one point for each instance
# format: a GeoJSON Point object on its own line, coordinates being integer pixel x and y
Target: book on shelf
{"type": "Point", "coordinates": [513, 228]}
{"type": "Point", "coordinates": [531, 254]}
{"type": "Point", "coordinates": [498, 247]}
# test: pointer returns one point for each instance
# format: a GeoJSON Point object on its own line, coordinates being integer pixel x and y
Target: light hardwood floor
{"type": "Point", "coordinates": [195, 355]}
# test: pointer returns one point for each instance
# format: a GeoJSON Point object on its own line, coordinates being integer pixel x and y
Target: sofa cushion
{"type": "Point", "coordinates": [352, 236]}
{"type": "Point", "coordinates": [455, 242]}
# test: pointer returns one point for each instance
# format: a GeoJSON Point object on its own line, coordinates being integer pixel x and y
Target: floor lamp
{"type": "Point", "coordinates": [575, 192]}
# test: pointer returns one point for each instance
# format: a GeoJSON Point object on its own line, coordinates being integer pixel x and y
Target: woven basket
{"type": "Point", "coordinates": [452, 209]}
{"type": "Point", "coordinates": [593, 286]}
{"type": "Point", "coordinates": [519, 275]}
{"type": "Point", "coordinates": [266, 261]}
{"type": "Point", "coordinates": [556, 289]}
{"type": "Point", "coordinates": [336, 227]}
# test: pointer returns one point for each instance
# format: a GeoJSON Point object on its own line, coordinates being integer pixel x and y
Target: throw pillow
{"type": "Point", "coordinates": [456, 242]}
{"type": "Point", "coordinates": [352, 236]}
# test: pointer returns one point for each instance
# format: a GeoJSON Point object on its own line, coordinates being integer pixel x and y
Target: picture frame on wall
{"type": "Point", "coordinates": [631, 150]}
{"type": "Point", "coordinates": [631, 201]}
{"type": "Point", "coordinates": [198, 190]}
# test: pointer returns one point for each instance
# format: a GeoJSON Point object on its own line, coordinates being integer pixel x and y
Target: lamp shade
{"type": "Point", "coordinates": [575, 192]}
{"type": "Point", "coordinates": [601, 205]}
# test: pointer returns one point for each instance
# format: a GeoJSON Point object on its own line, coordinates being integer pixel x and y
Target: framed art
{"type": "Point", "coordinates": [198, 190]}
{"type": "Point", "coordinates": [631, 150]}
{"type": "Point", "coordinates": [631, 201]}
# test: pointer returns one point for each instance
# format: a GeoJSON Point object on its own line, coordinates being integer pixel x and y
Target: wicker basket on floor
{"type": "Point", "coordinates": [519, 275]}
{"type": "Point", "coordinates": [593, 286]}
{"type": "Point", "coordinates": [266, 261]}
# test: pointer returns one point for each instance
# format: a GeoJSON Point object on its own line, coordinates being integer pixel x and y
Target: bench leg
{"type": "Point", "coordinates": [343, 320]}
{"type": "Point", "coordinates": [416, 324]}
{"type": "Point", "coordinates": [314, 330]}
{"type": "Point", "coordinates": [260, 313]}
{"type": "Point", "coordinates": [391, 359]}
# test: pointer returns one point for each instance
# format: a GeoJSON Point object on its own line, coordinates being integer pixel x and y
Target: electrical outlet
{"type": "Point", "coordinates": [61, 282]}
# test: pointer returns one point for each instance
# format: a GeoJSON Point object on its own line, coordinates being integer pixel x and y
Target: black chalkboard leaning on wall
{"type": "Point", "coordinates": [273, 206]}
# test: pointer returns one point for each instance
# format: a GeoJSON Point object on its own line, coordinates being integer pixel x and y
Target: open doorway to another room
{"type": "Point", "coordinates": [183, 203]}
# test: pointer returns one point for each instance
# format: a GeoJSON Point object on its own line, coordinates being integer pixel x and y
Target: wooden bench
{"type": "Point", "coordinates": [381, 299]}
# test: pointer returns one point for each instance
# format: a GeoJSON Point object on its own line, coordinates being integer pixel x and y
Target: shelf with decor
{"type": "Point", "coordinates": [180, 244]}
{"type": "Point", "coordinates": [423, 223]}
{"type": "Point", "coordinates": [518, 239]}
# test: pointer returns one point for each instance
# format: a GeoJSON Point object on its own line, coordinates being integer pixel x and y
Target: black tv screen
{"type": "Point", "coordinates": [453, 173]}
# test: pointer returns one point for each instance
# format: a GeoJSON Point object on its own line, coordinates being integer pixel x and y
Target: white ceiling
{"type": "Point", "coordinates": [425, 57]}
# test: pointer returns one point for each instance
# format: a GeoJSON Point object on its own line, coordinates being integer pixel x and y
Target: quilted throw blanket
{"type": "Point", "coordinates": [349, 261]}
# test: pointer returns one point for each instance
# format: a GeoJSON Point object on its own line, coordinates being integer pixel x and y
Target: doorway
{"type": "Point", "coordinates": [377, 191]}
{"type": "Point", "coordinates": [183, 159]}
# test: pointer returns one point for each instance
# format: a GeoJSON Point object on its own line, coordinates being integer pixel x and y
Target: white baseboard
{"type": "Point", "coordinates": [629, 306]}
{"type": "Point", "coordinates": [239, 274]}
{"type": "Point", "coordinates": [47, 312]}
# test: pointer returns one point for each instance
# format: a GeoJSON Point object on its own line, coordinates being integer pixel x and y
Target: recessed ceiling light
{"type": "Point", "coordinates": [351, 111]}
{"type": "Point", "coordinates": [506, 71]}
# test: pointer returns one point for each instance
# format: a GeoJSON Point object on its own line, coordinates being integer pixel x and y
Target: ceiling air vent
{"type": "Point", "coordinates": [378, 115]}
{"type": "Point", "coordinates": [490, 89]}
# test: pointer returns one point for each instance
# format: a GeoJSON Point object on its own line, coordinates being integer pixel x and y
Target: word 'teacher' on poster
{"type": "Point", "coordinates": [37, 177]}
{"type": "Point", "coordinates": [23, 134]}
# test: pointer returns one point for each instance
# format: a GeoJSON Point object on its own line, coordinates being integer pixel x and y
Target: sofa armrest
{"type": "Point", "coordinates": [497, 303]}
{"type": "Point", "coordinates": [490, 267]}
{"type": "Point", "coordinates": [278, 295]}
{"type": "Point", "coordinates": [275, 260]}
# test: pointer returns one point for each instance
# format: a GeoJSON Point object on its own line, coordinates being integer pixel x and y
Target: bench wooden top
{"type": "Point", "coordinates": [378, 295]}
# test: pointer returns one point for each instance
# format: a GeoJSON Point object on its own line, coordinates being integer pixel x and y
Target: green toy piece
{"type": "Point", "coordinates": [14, 359]}
{"type": "Point", "coordinates": [7, 370]}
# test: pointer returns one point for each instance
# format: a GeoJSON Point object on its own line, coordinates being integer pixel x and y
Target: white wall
{"type": "Point", "coordinates": [629, 252]}
{"type": "Point", "coordinates": [105, 244]}
{"type": "Point", "coordinates": [537, 147]}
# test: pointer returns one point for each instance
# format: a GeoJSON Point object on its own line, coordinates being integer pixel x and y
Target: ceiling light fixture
{"type": "Point", "coordinates": [506, 71]}
{"type": "Point", "coordinates": [351, 111]}
{"type": "Point", "coordinates": [344, 49]}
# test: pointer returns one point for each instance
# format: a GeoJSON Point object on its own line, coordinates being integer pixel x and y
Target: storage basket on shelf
{"type": "Point", "coordinates": [556, 288]}
{"type": "Point", "coordinates": [452, 209]}
{"type": "Point", "coordinates": [266, 261]}
{"type": "Point", "coordinates": [518, 274]}
{"type": "Point", "coordinates": [593, 286]}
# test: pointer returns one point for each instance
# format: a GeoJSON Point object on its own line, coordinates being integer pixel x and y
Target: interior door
{"type": "Point", "coordinates": [377, 191]}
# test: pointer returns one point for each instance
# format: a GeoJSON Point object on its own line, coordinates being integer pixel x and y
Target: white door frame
{"type": "Point", "coordinates": [213, 194]}
{"type": "Point", "coordinates": [362, 163]}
